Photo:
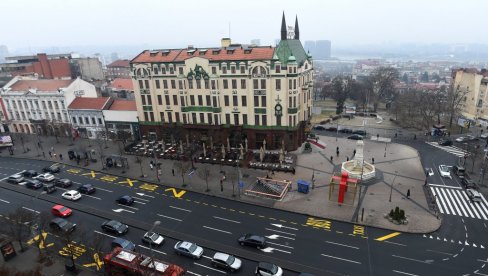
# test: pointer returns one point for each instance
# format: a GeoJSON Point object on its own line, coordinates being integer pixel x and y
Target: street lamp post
{"type": "Point", "coordinates": [156, 223]}
{"type": "Point", "coordinates": [386, 144]}
{"type": "Point", "coordinates": [391, 185]}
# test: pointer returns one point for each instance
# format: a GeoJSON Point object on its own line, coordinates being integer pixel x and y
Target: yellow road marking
{"type": "Point", "coordinates": [98, 263]}
{"type": "Point", "coordinates": [92, 173]}
{"type": "Point", "coordinates": [109, 178]}
{"type": "Point", "coordinates": [176, 194]}
{"type": "Point", "coordinates": [128, 181]}
{"type": "Point", "coordinates": [358, 230]}
{"type": "Point", "coordinates": [41, 241]}
{"type": "Point", "coordinates": [394, 234]}
{"type": "Point", "coordinates": [148, 187]}
{"type": "Point", "coordinates": [74, 170]}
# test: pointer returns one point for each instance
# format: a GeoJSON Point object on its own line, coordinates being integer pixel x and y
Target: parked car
{"type": "Point", "coordinates": [49, 188]}
{"type": "Point", "coordinates": [331, 129]}
{"type": "Point", "coordinates": [461, 139]}
{"type": "Point", "coordinates": [459, 170]}
{"type": "Point", "coordinates": [61, 211]}
{"type": "Point", "coordinates": [125, 244]}
{"type": "Point", "coordinates": [268, 269]}
{"type": "Point", "coordinates": [29, 173]}
{"type": "Point", "coordinates": [33, 184]}
{"type": "Point", "coordinates": [60, 224]}
{"type": "Point", "coordinates": [355, 137]}
{"type": "Point", "coordinates": [468, 183]}
{"type": "Point", "coordinates": [226, 261]}
{"type": "Point", "coordinates": [484, 136]}
{"type": "Point", "coordinates": [445, 142]}
{"type": "Point", "coordinates": [125, 200]}
{"type": "Point", "coordinates": [63, 182]}
{"type": "Point", "coordinates": [252, 240]}
{"type": "Point", "coordinates": [86, 189]}
{"type": "Point", "coordinates": [360, 132]}
{"type": "Point", "coordinates": [345, 130]}
{"type": "Point", "coordinates": [319, 128]}
{"type": "Point", "coordinates": [115, 227]}
{"type": "Point", "coordinates": [16, 178]}
{"type": "Point", "coordinates": [45, 177]}
{"type": "Point", "coordinates": [473, 195]}
{"type": "Point", "coordinates": [153, 238]}
{"type": "Point", "coordinates": [188, 249]}
{"type": "Point", "coordinates": [71, 195]}
{"type": "Point", "coordinates": [444, 171]}
{"type": "Point", "coordinates": [54, 168]}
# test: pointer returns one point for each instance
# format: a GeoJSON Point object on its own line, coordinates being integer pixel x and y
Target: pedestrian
{"type": "Point", "coordinates": [372, 159]}
{"type": "Point", "coordinates": [377, 137]}
{"type": "Point", "coordinates": [337, 152]}
{"type": "Point", "coordinates": [54, 155]}
{"type": "Point", "coordinates": [52, 149]}
{"type": "Point", "coordinates": [347, 159]}
{"type": "Point", "coordinates": [50, 154]}
{"type": "Point", "coordinates": [425, 183]}
{"type": "Point", "coordinates": [408, 193]}
{"type": "Point", "coordinates": [395, 135]}
{"type": "Point", "coordinates": [415, 136]}
{"type": "Point", "coordinates": [44, 154]}
{"type": "Point", "coordinates": [293, 171]}
{"type": "Point", "coordinates": [173, 172]}
{"type": "Point", "coordinates": [221, 185]}
{"type": "Point", "coordinates": [272, 172]}
{"type": "Point", "coordinates": [151, 166]}
{"type": "Point", "coordinates": [60, 156]}
{"type": "Point", "coordinates": [331, 158]}
{"type": "Point", "coordinates": [337, 149]}
{"type": "Point", "coordinates": [354, 153]}
{"type": "Point", "coordinates": [39, 144]}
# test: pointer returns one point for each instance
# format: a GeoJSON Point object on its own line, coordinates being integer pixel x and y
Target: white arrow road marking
{"type": "Point", "coordinates": [139, 202]}
{"type": "Point", "coordinates": [142, 194]}
{"type": "Point", "coordinates": [477, 273]}
{"type": "Point", "coordinates": [459, 242]}
{"type": "Point", "coordinates": [269, 229]}
{"type": "Point", "coordinates": [214, 269]}
{"type": "Point", "coordinates": [280, 245]}
{"type": "Point", "coordinates": [130, 207]}
{"type": "Point", "coordinates": [282, 226]}
{"type": "Point", "coordinates": [168, 217]}
{"type": "Point", "coordinates": [425, 236]}
{"type": "Point", "coordinates": [101, 233]}
{"type": "Point", "coordinates": [482, 246]}
{"type": "Point", "coordinates": [342, 259]}
{"type": "Point", "coordinates": [181, 209]}
{"type": "Point", "coordinates": [271, 249]}
{"type": "Point", "coordinates": [143, 199]}
{"type": "Point", "coordinates": [4, 201]}
{"type": "Point", "coordinates": [29, 209]}
{"type": "Point", "coordinates": [474, 245]}
{"type": "Point", "coordinates": [340, 244]}
{"type": "Point", "coordinates": [466, 243]}
{"type": "Point", "coordinates": [215, 229]}
{"type": "Point", "coordinates": [161, 252]}
{"type": "Point", "coordinates": [234, 221]}
{"type": "Point", "coordinates": [121, 210]}
{"type": "Point", "coordinates": [275, 236]}
{"type": "Point", "coordinates": [410, 259]}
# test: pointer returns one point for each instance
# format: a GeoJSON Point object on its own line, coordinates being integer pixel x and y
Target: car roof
{"type": "Point", "coordinates": [221, 256]}
{"type": "Point", "coordinates": [266, 265]}
{"type": "Point", "coordinates": [58, 220]}
{"type": "Point", "coordinates": [254, 237]}
{"type": "Point", "coordinates": [185, 244]}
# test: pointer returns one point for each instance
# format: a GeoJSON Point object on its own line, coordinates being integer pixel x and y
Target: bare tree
{"type": "Point", "coordinates": [455, 97]}
{"type": "Point", "coordinates": [233, 178]}
{"type": "Point", "coordinates": [181, 168]}
{"type": "Point", "coordinates": [101, 149]}
{"type": "Point", "coordinates": [204, 173]}
{"type": "Point", "coordinates": [341, 87]}
{"type": "Point", "coordinates": [18, 225]}
{"type": "Point", "coordinates": [382, 84]}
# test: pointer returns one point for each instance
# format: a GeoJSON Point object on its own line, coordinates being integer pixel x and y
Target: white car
{"type": "Point", "coordinates": [45, 177]}
{"type": "Point", "coordinates": [444, 171]}
{"type": "Point", "coordinates": [71, 195]}
{"type": "Point", "coordinates": [429, 172]}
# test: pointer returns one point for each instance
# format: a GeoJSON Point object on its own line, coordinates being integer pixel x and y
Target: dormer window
{"type": "Point", "coordinates": [233, 69]}
{"type": "Point", "coordinates": [180, 70]}
{"type": "Point", "coordinates": [190, 52]}
{"type": "Point", "coordinates": [171, 70]}
{"type": "Point", "coordinates": [202, 52]}
{"type": "Point", "coordinates": [230, 51]}
{"type": "Point", "coordinates": [224, 70]}
{"type": "Point", "coordinates": [163, 70]}
{"type": "Point", "coordinates": [247, 51]}
{"type": "Point", "coordinates": [216, 52]}
{"type": "Point", "coordinates": [165, 52]}
{"type": "Point", "coordinates": [153, 53]}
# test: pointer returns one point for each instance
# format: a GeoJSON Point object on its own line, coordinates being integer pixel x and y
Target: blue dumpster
{"type": "Point", "coordinates": [303, 186]}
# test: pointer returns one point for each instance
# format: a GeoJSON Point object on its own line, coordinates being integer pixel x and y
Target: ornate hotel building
{"type": "Point", "coordinates": [234, 92]}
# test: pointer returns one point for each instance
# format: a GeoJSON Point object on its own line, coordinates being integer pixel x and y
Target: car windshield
{"type": "Point", "coordinates": [273, 269]}
{"type": "Point", "coordinates": [63, 209]}
{"type": "Point", "coordinates": [230, 260]}
{"type": "Point", "coordinates": [116, 224]}
{"type": "Point", "coordinates": [75, 193]}
{"type": "Point", "coordinates": [153, 236]}
{"type": "Point", "coordinates": [444, 168]}
{"type": "Point", "coordinates": [62, 223]}
{"type": "Point", "coordinates": [192, 248]}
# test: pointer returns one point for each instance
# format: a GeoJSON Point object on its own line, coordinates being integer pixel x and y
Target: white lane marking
{"type": "Point", "coordinates": [215, 229]}
{"type": "Point", "coordinates": [443, 186]}
{"type": "Point", "coordinates": [234, 221]}
{"type": "Point", "coordinates": [453, 202]}
{"type": "Point", "coordinates": [485, 261]}
{"type": "Point", "coordinates": [484, 208]}
{"type": "Point", "coordinates": [404, 273]}
{"type": "Point", "coordinates": [109, 191]}
{"type": "Point", "coordinates": [181, 209]}
{"type": "Point", "coordinates": [29, 209]}
{"type": "Point", "coordinates": [122, 210]}
{"type": "Point", "coordinates": [125, 206]}
{"type": "Point", "coordinates": [478, 207]}
{"type": "Point", "coordinates": [160, 252]}
{"type": "Point", "coordinates": [440, 252]}
{"type": "Point", "coordinates": [143, 199]}
{"type": "Point", "coordinates": [342, 259]}
{"type": "Point", "coordinates": [280, 244]}
{"type": "Point", "coordinates": [438, 203]}
{"type": "Point", "coordinates": [193, 273]}
{"type": "Point", "coordinates": [477, 273]}
{"type": "Point", "coordinates": [101, 233]}
{"type": "Point", "coordinates": [340, 244]}
{"type": "Point", "coordinates": [142, 194]}
{"type": "Point", "coordinates": [206, 257]}
{"type": "Point", "coordinates": [271, 249]}
{"type": "Point", "coordinates": [276, 236]}
{"type": "Point", "coordinates": [458, 202]}
{"type": "Point", "coordinates": [410, 259]}
{"type": "Point", "coordinates": [92, 196]}
{"type": "Point", "coordinates": [465, 204]}
{"type": "Point", "coordinates": [282, 232]}
{"type": "Point", "coordinates": [395, 243]}
{"type": "Point", "coordinates": [444, 193]}
{"type": "Point", "coordinates": [169, 217]}
{"type": "Point", "coordinates": [282, 226]}
{"type": "Point", "coordinates": [4, 201]}
{"type": "Point", "coordinates": [208, 267]}
{"type": "Point", "coordinates": [471, 204]}
{"type": "Point", "coordinates": [4, 177]}
{"type": "Point", "coordinates": [139, 202]}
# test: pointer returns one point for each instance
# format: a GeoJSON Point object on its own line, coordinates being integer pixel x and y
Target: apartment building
{"type": "Point", "coordinates": [473, 84]}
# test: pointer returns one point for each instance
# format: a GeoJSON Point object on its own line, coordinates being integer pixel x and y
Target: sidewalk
{"type": "Point", "coordinates": [398, 172]}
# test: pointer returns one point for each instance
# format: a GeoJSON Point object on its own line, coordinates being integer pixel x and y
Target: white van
{"type": "Point", "coordinates": [474, 195]}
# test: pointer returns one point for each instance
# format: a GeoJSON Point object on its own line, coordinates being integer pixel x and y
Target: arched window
{"type": "Point", "coordinates": [259, 72]}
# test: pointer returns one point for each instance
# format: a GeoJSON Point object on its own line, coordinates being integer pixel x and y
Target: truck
{"type": "Point", "coordinates": [123, 262]}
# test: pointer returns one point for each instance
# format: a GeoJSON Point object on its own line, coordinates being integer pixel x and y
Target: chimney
{"type": "Point", "coordinates": [225, 42]}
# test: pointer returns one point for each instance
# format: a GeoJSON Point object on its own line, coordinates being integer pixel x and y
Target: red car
{"type": "Point", "coordinates": [61, 211]}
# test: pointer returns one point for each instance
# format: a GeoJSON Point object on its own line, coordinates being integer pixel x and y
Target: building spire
{"type": "Point", "coordinates": [297, 31]}
{"type": "Point", "coordinates": [283, 27]}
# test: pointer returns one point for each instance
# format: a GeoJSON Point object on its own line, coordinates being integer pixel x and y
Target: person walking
{"type": "Point", "coordinates": [372, 159]}
{"type": "Point", "coordinates": [173, 172]}
{"type": "Point", "coordinates": [60, 156]}
{"type": "Point", "coordinates": [408, 193]}
{"type": "Point", "coordinates": [44, 154]}
{"type": "Point", "coordinates": [50, 154]}
{"type": "Point", "coordinates": [354, 153]}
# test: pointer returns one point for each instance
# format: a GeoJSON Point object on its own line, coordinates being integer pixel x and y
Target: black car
{"type": "Point", "coordinates": [445, 142]}
{"type": "Point", "coordinates": [125, 200]}
{"type": "Point", "coordinates": [360, 132]}
{"type": "Point", "coordinates": [319, 128]}
{"type": "Point", "coordinates": [355, 137]}
{"type": "Point", "coordinates": [468, 183]}
{"type": "Point", "coordinates": [49, 188]}
{"type": "Point", "coordinates": [86, 189]}
{"type": "Point", "coordinates": [345, 130]}
{"type": "Point", "coordinates": [330, 129]}
{"type": "Point", "coordinates": [63, 182]}
{"type": "Point", "coordinates": [55, 168]}
{"type": "Point", "coordinates": [115, 227]}
{"type": "Point", "coordinates": [252, 240]}
{"type": "Point", "coordinates": [33, 184]}
{"type": "Point", "coordinates": [29, 173]}
{"type": "Point", "coordinates": [62, 225]}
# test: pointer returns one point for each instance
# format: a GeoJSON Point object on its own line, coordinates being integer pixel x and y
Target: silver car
{"type": "Point", "coordinates": [226, 261]}
{"type": "Point", "coordinates": [188, 249]}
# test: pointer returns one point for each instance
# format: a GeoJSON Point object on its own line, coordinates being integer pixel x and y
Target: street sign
{"type": "Point", "coordinates": [241, 184]}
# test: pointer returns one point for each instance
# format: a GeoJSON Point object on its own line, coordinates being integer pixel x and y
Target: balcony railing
{"type": "Point", "coordinates": [260, 110]}
{"type": "Point", "coordinates": [292, 110]}
{"type": "Point", "coordinates": [201, 109]}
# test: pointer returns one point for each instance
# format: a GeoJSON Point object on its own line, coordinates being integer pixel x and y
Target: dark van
{"type": "Point", "coordinates": [49, 188]}
{"type": "Point", "coordinates": [458, 170]}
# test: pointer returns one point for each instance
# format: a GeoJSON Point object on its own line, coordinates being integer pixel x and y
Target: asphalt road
{"type": "Point", "coordinates": [295, 242]}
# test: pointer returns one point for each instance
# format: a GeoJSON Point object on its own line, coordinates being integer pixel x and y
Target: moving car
{"type": "Point", "coordinates": [188, 249]}
{"type": "Point", "coordinates": [29, 173]}
{"type": "Point", "coordinates": [345, 130]}
{"type": "Point", "coordinates": [71, 195]}
{"type": "Point", "coordinates": [125, 200]}
{"type": "Point", "coordinates": [468, 183]}
{"type": "Point", "coordinates": [466, 138]}
{"type": "Point", "coordinates": [445, 142]}
{"type": "Point", "coordinates": [319, 127]}
{"type": "Point", "coordinates": [63, 182]}
{"type": "Point", "coordinates": [115, 227]}
{"type": "Point", "coordinates": [153, 238]}
{"type": "Point", "coordinates": [474, 195]}
{"type": "Point", "coordinates": [49, 188]}
{"type": "Point", "coordinates": [444, 171]}
{"type": "Point", "coordinates": [331, 129]}
{"type": "Point", "coordinates": [60, 224]}
{"type": "Point", "coordinates": [484, 135]}
{"type": "Point", "coordinates": [61, 211]}
{"type": "Point", "coordinates": [268, 269]}
{"type": "Point", "coordinates": [54, 168]}
{"type": "Point", "coordinates": [459, 170]}
{"type": "Point", "coordinates": [125, 244]}
{"type": "Point", "coordinates": [226, 261]}
{"type": "Point", "coordinates": [86, 189]}
{"type": "Point", "coordinates": [16, 178]}
{"type": "Point", "coordinates": [252, 240]}
{"type": "Point", "coordinates": [360, 132]}
{"type": "Point", "coordinates": [45, 177]}
{"type": "Point", "coordinates": [355, 137]}
{"type": "Point", "coordinates": [33, 184]}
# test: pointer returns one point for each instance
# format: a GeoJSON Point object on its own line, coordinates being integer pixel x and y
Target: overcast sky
{"type": "Point", "coordinates": [173, 23]}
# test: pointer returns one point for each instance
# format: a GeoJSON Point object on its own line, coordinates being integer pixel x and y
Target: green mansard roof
{"type": "Point", "coordinates": [291, 47]}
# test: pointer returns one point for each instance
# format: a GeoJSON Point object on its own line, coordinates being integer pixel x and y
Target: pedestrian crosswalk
{"type": "Point", "coordinates": [455, 201]}
{"type": "Point", "coordinates": [459, 152]}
